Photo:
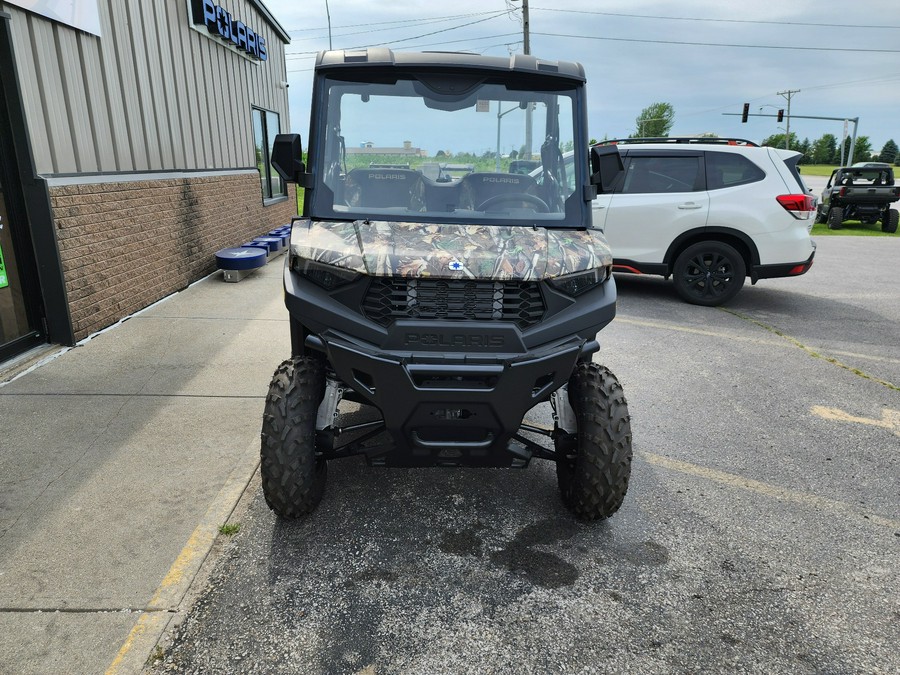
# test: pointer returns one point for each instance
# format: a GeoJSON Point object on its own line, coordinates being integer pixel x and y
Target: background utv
{"type": "Point", "coordinates": [430, 308]}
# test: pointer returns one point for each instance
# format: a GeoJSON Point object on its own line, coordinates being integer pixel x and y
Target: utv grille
{"type": "Point", "coordinates": [466, 300]}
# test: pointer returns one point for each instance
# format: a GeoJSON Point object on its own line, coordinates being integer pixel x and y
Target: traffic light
{"type": "Point", "coordinates": [781, 115]}
{"type": "Point", "coordinates": [746, 112]}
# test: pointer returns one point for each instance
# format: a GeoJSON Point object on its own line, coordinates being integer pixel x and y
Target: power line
{"type": "Point", "coordinates": [686, 18]}
{"type": "Point", "coordinates": [719, 44]}
{"type": "Point", "coordinates": [432, 19]}
{"type": "Point", "coordinates": [415, 37]}
{"type": "Point", "coordinates": [517, 34]}
{"type": "Point", "coordinates": [368, 28]}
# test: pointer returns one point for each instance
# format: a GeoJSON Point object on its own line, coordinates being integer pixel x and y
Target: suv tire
{"type": "Point", "coordinates": [293, 479]}
{"type": "Point", "coordinates": [889, 222]}
{"type": "Point", "coordinates": [709, 273]}
{"type": "Point", "coordinates": [593, 476]}
{"type": "Point", "coordinates": [835, 218]}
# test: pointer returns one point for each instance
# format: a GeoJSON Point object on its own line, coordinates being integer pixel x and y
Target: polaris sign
{"type": "Point", "coordinates": [221, 24]}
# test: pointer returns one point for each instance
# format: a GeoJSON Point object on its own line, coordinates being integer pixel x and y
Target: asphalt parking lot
{"type": "Point", "coordinates": [760, 533]}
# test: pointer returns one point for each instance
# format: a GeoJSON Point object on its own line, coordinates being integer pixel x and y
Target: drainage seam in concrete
{"type": "Point", "coordinates": [811, 351]}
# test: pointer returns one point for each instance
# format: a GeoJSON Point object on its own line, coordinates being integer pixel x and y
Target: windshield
{"type": "Point", "coordinates": [447, 150]}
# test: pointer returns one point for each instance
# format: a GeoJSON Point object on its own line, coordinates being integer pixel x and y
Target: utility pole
{"type": "Point", "coordinates": [787, 131]}
{"type": "Point", "coordinates": [527, 50]}
{"type": "Point", "coordinates": [525, 26]}
{"type": "Point", "coordinates": [328, 14]}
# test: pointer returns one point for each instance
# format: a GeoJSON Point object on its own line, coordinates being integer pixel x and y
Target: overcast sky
{"type": "Point", "coordinates": [705, 57]}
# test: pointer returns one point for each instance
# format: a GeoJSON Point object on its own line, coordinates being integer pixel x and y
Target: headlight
{"type": "Point", "coordinates": [328, 277]}
{"type": "Point", "coordinates": [581, 282]}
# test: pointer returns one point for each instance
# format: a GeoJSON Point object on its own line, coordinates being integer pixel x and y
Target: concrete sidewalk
{"type": "Point", "coordinates": [119, 459]}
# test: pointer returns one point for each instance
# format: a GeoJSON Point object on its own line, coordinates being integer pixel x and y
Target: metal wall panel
{"type": "Point", "coordinates": [98, 102]}
{"type": "Point", "coordinates": [151, 94]}
{"type": "Point", "coordinates": [75, 96]}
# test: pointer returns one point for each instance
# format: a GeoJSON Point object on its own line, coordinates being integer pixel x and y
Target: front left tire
{"type": "Point", "coordinates": [293, 477]}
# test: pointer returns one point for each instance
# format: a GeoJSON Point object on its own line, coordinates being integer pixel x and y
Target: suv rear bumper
{"type": "Point", "coordinates": [782, 269]}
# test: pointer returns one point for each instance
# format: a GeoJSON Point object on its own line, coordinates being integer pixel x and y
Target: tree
{"type": "Point", "coordinates": [862, 151]}
{"type": "Point", "coordinates": [823, 149]}
{"type": "Point", "coordinates": [805, 147]}
{"type": "Point", "coordinates": [777, 141]}
{"type": "Point", "coordinates": [889, 152]}
{"type": "Point", "coordinates": [655, 120]}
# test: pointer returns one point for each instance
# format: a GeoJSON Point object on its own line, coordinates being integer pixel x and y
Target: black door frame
{"type": "Point", "coordinates": [28, 197]}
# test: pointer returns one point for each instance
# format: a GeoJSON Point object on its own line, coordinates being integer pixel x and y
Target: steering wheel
{"type": "Point", "coordinates": [540, 204]}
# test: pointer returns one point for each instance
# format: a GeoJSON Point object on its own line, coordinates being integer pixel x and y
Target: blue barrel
{"type": "Point", "coordinates": [275, 244]}
{"type": "Point", "coordinates": [284, 236]}
{"type": "Point", "coordinates": [243, 258]}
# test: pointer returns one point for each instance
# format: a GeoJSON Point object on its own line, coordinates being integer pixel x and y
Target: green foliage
{"type": "Point", "coordinates": [818, 169]}
{"type": "Point", "coordinates": [823, 149]}
{"type": "Point", "coordinates": [889, 153]}
{"type": "Point", "coordinates": [852, 228]}
{"type": "Point", "coordinates": [229, 529]}
{"type": "Point", "coordinates": [777, 141]}
{"type": "Point", "coordinates": [655, 120]}
{"type": "Point", "coordinates": [862, 151]}
{"type": "Point", "coordinates": [806, 148]}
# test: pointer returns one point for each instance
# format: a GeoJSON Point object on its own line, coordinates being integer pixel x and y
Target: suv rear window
{"type": "Point", "coordinates": [726, 169]}
{"type": "Point", "coordinates": [645, 174]}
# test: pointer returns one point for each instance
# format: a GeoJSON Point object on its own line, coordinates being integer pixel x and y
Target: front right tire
{"type": "Point", "coordinates": [293, 477]}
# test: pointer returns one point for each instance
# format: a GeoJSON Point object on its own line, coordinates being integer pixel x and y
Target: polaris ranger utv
{"type": "Point", "coordinates": [449, 307]}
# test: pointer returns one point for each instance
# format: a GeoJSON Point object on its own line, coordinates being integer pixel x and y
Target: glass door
{"type": "Point", "coordinates": [15, 326]}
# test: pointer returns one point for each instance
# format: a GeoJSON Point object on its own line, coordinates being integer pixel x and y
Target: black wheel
{"type": "Point", "coordinates": [595, 466]}
{"type": "Point", "coordinates": [835, 218]}
{"type": "Point", "coordinates": [709, 273]}
{"type": "Point", "coordinates": [293, 479]}
{"type": "Point", "coordinates": [889, 221]}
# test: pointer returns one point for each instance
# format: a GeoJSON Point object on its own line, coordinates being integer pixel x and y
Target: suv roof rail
{"type": "Point", "coordinates": [713, 140]}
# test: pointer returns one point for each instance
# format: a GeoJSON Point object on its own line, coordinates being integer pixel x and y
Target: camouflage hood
{"type": "Point", "coordinates": [385, 248]}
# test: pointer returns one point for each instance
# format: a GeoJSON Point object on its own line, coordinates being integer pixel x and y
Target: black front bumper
{"type": "Point", "coordinates": [450, 391]}
{"type": "Point", "coordinates": [460, 409]}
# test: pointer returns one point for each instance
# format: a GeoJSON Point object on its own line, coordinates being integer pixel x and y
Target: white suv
{"type": "Point", "coordinates": [708, 212]}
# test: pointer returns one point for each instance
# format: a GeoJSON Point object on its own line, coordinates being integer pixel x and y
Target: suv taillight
{"type": "Point", "coordinates": [799, 206]}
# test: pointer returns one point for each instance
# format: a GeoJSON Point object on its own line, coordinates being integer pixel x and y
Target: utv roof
{"type": "Point", "coordinates": [460, 61]}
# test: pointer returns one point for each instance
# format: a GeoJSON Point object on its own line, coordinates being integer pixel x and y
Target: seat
{"type": "Point", "coordinates": [477, 188]}
{"type": "Point", "coordinates": [384, 188]}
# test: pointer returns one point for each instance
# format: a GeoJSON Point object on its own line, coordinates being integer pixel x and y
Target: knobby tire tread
{"type": "Point", "coordinates": [293, 479]}
{"type": "Point", "coordinates": [593, 485]}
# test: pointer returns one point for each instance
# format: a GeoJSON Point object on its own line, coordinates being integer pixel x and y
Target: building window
{"type": "Point", "coordinates": [266, 125]}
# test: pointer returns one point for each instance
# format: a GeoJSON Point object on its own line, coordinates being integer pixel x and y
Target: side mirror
{"type": "Point", "coordinates": [287, 159]}
{"type": "Point", "coordinates": [606, 167]}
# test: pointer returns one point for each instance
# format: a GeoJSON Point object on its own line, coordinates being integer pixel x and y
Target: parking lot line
{"type": "Point", "coordinates": [767, 490]}
{"type": "Point", "coordinates": [662, 325]}
{"type": "Point", "coordinates": [890, 419]}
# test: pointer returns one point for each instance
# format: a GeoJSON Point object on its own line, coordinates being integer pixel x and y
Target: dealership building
{"type": "Point", "coordinates": [134, 144]}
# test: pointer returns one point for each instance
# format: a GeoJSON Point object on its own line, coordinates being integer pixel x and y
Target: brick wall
{"type": "Point", "coordinates": [126, 245]}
